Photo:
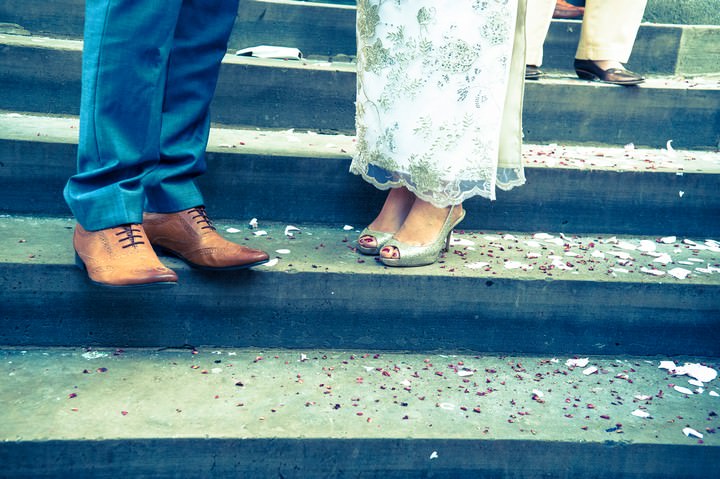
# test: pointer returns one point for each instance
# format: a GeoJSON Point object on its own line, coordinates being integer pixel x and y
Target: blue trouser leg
{"type": "Point", "coordinates": [200, 43]}
{"type": "Point", "coordinates": [126, 60]}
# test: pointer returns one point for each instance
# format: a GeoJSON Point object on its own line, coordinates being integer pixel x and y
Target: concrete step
{"type": "Point", "coordinates": [43, 75]}
{"type": "Point", "coordinates": [361, 413]}
{"type": "Point", "coordinates": [548, 294]}
{"type": "Point", "coordinates": [325, 30]}
{"type": "Point", "coordinates": [274, 175]}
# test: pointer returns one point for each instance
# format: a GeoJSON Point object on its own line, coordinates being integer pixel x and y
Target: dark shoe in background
{"type": "Point", "coordinates": [588, 70]}
{"type": "Point", "coordinates": [565, 10]}
{"type": "Point", "coordinates": [532, 72]}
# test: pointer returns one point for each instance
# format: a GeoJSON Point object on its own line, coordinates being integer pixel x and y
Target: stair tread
{"type": "Point", "coordinates": [491, 255]}
{"type": "Point", "coordinates": [271, 142]}
{"type": "Point", "coordinates": [108, 394]}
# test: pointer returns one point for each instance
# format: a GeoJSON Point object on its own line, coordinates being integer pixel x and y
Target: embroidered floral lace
{"type": "Point", "coordinates": [431, 97]}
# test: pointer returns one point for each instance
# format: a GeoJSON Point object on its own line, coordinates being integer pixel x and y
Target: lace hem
{"type": "Point", "coordinates": [506, 179]}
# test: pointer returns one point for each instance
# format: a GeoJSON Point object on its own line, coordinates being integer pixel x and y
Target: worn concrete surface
{"type": "Point", "coordinates": [122, 394]}
{"type": "Point", "coordinates": [340, 414]}
{"type": "Point", "coordinates": [303, 143]}
{"type": "Point", "coordinates": [492, 292]}
{"type": "Point", "coordinates": [320, 96]}
{"type": "Point", "coordinates": [510, 255]}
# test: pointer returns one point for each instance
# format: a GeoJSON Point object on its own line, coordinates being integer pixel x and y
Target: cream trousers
{"type": "Point", "coordinates": [609, 28]}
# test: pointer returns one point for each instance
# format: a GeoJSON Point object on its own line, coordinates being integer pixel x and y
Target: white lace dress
{"type": "Point", "coordinates": [439, 96]}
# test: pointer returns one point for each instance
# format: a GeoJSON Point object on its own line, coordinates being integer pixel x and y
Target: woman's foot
{"type": "Point", "coordinates": [397, 205]}
{"type": "Point", "coordinates": [422, 228]}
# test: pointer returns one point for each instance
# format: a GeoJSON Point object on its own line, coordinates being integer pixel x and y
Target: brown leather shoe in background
{"type": "Point", "coordinates": [567, 10]}
{"type": "Point", "coordinates": [191, 236]}
{"type": "Point", "coordinates": [120, 257]}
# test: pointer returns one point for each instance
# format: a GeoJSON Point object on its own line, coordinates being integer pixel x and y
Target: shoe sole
{"type": "Point", "coordinates": [160, 250]}
{"type": "Point", "coordinates": [145, 286]}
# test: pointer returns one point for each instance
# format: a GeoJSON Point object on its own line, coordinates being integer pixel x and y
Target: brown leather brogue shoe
{"type": "Point", "coordinates": [191, 236]}
{"type": "Point", "coordinates": [120, 257]}
{"type": "Point", "coordinates": [567, 10]}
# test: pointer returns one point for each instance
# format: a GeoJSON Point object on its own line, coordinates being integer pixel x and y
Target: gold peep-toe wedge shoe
{"type": "Point", "coordinates": [380, 239]}
{"type": "Point", "coordinates": [411, 255]}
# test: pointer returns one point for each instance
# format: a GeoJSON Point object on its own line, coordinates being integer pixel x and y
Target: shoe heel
{"type": "Point", "coordinates": [447, 243]}
{"type": "Point", "coordinates": [585, 75]}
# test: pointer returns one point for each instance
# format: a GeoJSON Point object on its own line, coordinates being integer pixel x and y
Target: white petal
{"type": "Point", "coordinates": [282, 251]}
{"type": "Point", "coordinates": [679, 273]}
{"type": "Point", "coordinates": [654, 272]}
{"type": "Point", "coordinates": [269, 264]}
{"type": "Point", "coordinates": [348, 228]}
{"type": "Point", "coordinates": [542, 236]}
{"type": "Point", "coordinates": [700, 372]}
{"type": "Point", "coordinates": [581, 363]}
{"type": "Point", "coordinates": [289, 229]}
{"type": "Point", "coordinates": [663, 259]}
{"type": "Point", "coordinates": [477, 265]}
{"type": "Point", "coordinates": [647, 245]}
{"type": "Point", "coordinates": [590, 370]}
{"type": "Point", "coordinates": [668, 239]}
{"type": "Point", "coordinates": [640, 413]}
{"type": "Point", "coordinates": [688, 431]}
{"type": "Point", "coordinates": [232, 230]}
{"type": "Point", "coordinates": [260, 233]}
{"type": "Point", "coordinates": [683, 390]}
{"type": "Point", "coordinates": [461, 242]}
{"type": "Point", "coordinates": [642, 397]}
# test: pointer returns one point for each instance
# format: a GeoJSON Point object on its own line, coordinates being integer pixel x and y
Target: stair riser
{"type": "Point", "coordinates": [241, 187]}
{"type": "Point", "coordinates": [369, 458]}
{"type": "Point", "coordinates": [48, 81]}
{"type": "Point", "coordinates": [327, 30]}
{"type": "Point", "coordinates": [48, 305]}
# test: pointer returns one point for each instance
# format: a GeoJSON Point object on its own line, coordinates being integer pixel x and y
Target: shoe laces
{"type": "Point", "coordinates": [132, 235]}
{"type": "Point", "coordinates": [201, 218]}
